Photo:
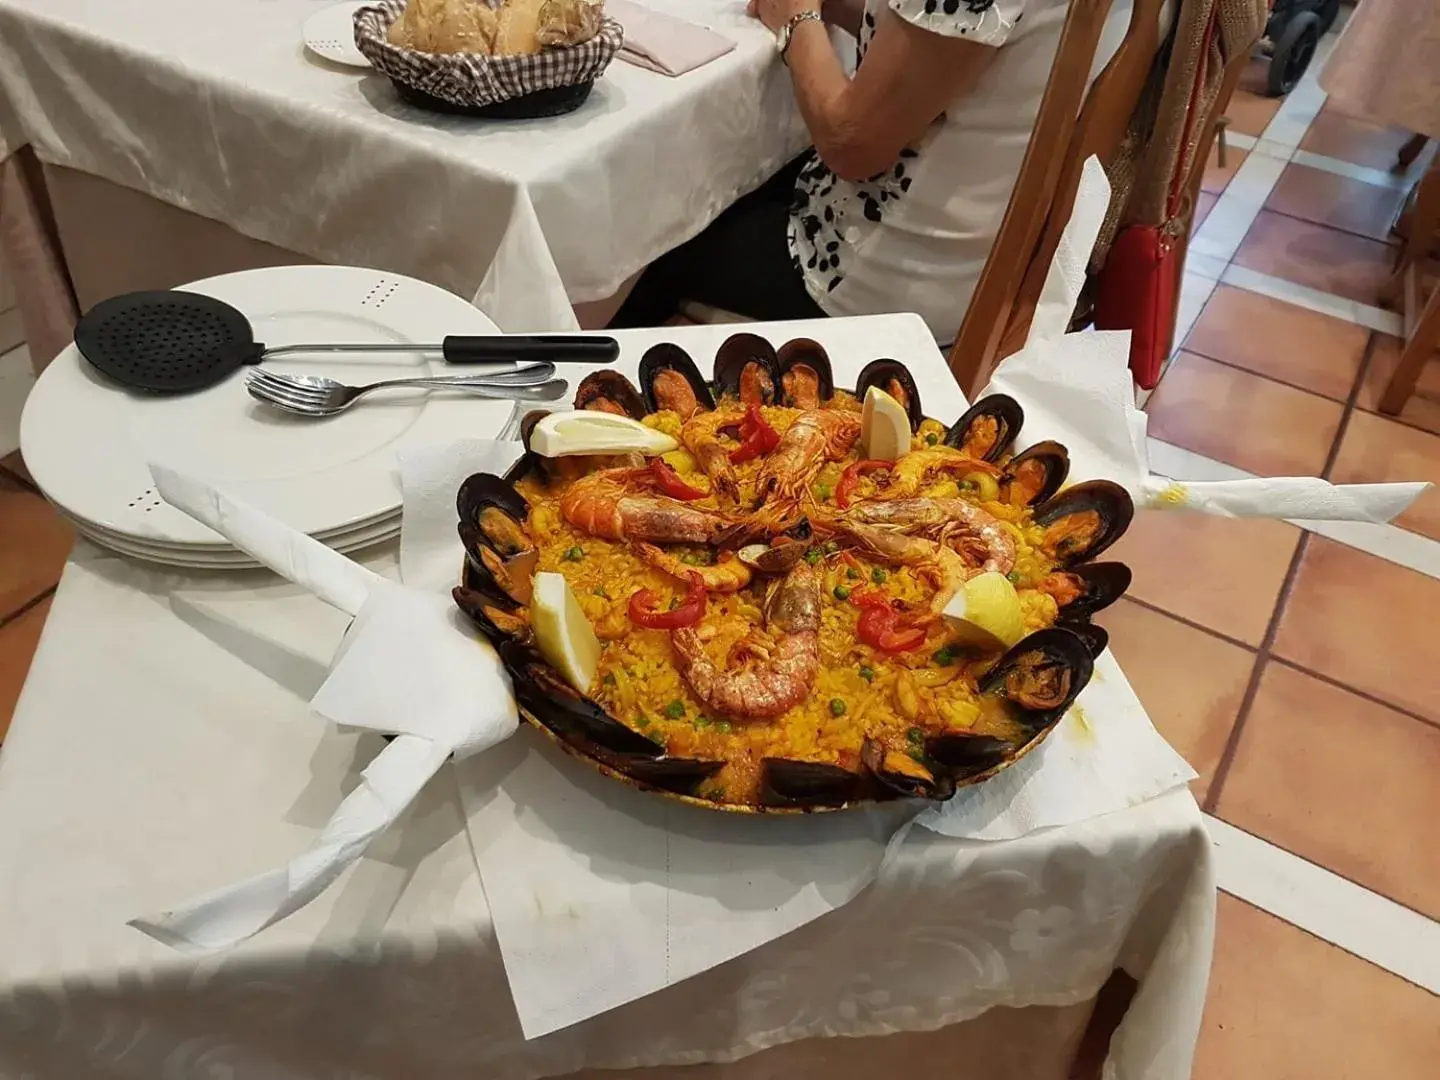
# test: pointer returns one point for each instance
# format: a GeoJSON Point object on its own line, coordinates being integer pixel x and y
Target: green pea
{"type": "Point", "coordinates": [722, 726]}
{"type": "Point", "coordinates": [675, 710]}
{"type": "Point", "coordinates": [813, 556]}
{"type": "Point", "coordinates": [916, 735]}
{"type": "Point", "coordinates": [931, 439]}
{"type": "Point", "coordinates": [837, 707]}
{"type": "Point", "coordinates": [831, 546]}
{"type": "Point", "coordinates": [852, 573]}
{"type": "Point", "coordinates": [842, 592]}
{"type": "Point", "coordinates": [702, 721]}
{"type": "Point", "coordinates": [878, 576]}
{"type": "Point", "coordinates": [575, 554]}
{"type": "Point", "coordinates": [642, 721]}
{"type": "Point", "coordinates": [609, 679]}
{"type": "Point", "coordinates": [1013, 577]}
{"type": "Point", "coordinates": [917, 756]}
{"type": "Point", "coordinates": [867, 673]}
{"type": "Point", "coordinates": [944, 656]}
{"type": "Point", "coordinates": [600, 592]}
{"type": "Point", "coordinates": [967, 485]}
{"type": "Point", "coordinates": [823, 492]}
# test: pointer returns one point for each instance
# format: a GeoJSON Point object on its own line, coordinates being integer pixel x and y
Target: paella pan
{"type": "Point", "coordinates": [759, 592]}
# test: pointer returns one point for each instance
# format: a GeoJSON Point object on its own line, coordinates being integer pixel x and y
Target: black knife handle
{"type": "Point", "coordinates": [557, 348]}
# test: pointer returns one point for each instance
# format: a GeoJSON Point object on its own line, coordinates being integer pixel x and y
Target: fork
{"type": "Point", "coordinates": [312, 395]}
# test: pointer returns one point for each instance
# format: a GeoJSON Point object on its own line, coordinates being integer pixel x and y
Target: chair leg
{"type": "Point", "coordinates": [1417, 352]}
{"type": "Point", "coordinates": [1424, 217]}
{"type": "Point", "coordinates": [1409, 152]}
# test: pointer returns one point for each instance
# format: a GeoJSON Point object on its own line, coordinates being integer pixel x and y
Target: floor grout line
{"type": "Point", "coordinates": [33, 602]}
{"type": "Point", "coordinates": [1362, 922]}
{"type": "Point", "coordinates": [1363, 695]}
{"type": "Point", "coordinates": [1252, 686]}
{"type": "Point", "coordinates": [1259, 375]}
{"type": "Point", "coordinates": [1370, 316]}
{"type": "Point", "coordinates": [1392, 244]}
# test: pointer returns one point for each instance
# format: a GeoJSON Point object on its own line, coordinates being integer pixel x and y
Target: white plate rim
{"type": "Point", "coordinates": [54, 443]}
{"type": "Point", "coordinates": [322, 34]}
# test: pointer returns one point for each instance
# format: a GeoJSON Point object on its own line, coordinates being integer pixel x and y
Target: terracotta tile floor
{"type": "Point", "coordinates": [1337, 201]}
{"type": "Point", "coordinates": [1335, 262]}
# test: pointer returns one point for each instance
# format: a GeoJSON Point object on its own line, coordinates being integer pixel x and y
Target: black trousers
{"type": "Point", "coordinates": [741, 263]}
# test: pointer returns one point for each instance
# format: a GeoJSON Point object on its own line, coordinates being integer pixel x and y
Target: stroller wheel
{"type": "Point", "coordinates": [1294, 49]}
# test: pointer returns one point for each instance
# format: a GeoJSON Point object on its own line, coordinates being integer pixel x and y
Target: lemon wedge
{"type": "Point", "coordinates": [884, 426]}
{"type": "Point", "coordinates": [563, 633]}
{"type": "Point", "coordinates": [565, 434]}
{"type": "Point", "coordinates": [986, 612]}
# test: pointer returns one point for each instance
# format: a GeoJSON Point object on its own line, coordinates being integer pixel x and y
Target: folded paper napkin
{"type": "Point", "coordinates": [409, 666]}
{"type": "Point", "coordinates": [663, 43]}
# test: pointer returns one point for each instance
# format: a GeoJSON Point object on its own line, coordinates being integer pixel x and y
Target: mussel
{"type": "Point", "coordinates": [682, 775]}
{"type": "Point", "coordinates": [1084, 520]}
{"type": "Point", "coordinates": [1038, 679]}
{"type": "Point", "coordinates": [746, 368]}
{"type": "Point", "coordinates": [483, 491]}
{"type": "Point", "coordinates": [670, 380]}
{"type": "Point", "coordinates": [541, 692]}
{"type": "Point", "coordinates": [895, 379]}
{"type": "Point", "coordinates": [498, 548]}
{"type": "Point", "coordinates": [609, 391]}
{"type": "Point", "coordinates": [903, 774]}
{"type": "Point", "coordinates": [806, 378]}
{"type": "Point", "coordinates": [1096, 638]}
{"type": "Point", "coordinates": [785, 782]}
{"type": "Point", "coordinates": [1095, 586]}
{"type": "Point", "coordinates": [495, 620]}
{"type": "Point", "coordinates": [1036, 473]}
{"type": "Point", "coordinates": [987, 428]}
{"type": "Point", "coordinates": [504, 580]}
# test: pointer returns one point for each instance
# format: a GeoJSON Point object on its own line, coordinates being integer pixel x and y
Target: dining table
{"type": "Point", "coordinates": [169, 142]}
{"type": "Point", "coordinates": [163, 745]}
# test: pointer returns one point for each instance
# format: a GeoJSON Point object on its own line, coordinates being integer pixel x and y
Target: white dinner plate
{"type": "Point", "coordinates": [222, 560]}
{"type": "Point", "coordinates": [330, 33]}
{"type": "Point", "coordinates": [331, 537]}
{"type": "Point", "coordinates": [88, 443]}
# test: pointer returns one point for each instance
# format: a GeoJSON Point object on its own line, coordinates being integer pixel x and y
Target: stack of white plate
{"type": "Point", "coordinates": [89, 443]}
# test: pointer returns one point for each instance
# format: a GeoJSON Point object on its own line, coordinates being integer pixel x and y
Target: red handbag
{"type": "Point", "coordinates": [1139, 287]}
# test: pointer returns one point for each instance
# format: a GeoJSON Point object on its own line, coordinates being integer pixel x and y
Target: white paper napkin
{"type": "Point", "coordinates": [408, 666]}
{"type": "Point", "coordinates": [662, 43]}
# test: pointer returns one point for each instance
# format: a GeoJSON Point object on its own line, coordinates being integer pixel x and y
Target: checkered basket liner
{"type": "Point", "coordinates": [473, 79]}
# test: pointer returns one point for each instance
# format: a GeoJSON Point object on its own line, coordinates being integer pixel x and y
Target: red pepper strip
{"type": "Point", "coordinates": [669, 482]}
{"type": "Point", "coordinates": [851, 477]}
{"type": "Point", "coordinates": [759, 437]}
{"type": "Point", "coordinates": [688, 613]}
{"type": "Point", "coordinates": [880, 624]}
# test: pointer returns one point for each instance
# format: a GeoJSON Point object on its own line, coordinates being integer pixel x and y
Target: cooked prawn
{"type": "Point", "coordinates": [940, 565]}
{"type": "Point", "coordinates": [772, 673]}
{"type": "Point", "coordinates": [910, 472]}
{"type": "Point", "coordinates": [816, 436]}
{"type": "Point", "coordinates": [604, 504]}
{"type": "Point", "coordinates": [953, 522]}
{"type": "Point", "coordinates": [727, 575]}
{"type": "Point", "coordinates": [701, 436]}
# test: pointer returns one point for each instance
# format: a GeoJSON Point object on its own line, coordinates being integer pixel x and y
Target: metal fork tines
{"type": "Point", "coordinates": [311, 395]}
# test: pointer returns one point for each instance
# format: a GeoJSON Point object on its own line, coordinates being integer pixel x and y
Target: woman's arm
{"type": "Point", "coordinates": [845, 14]}
{"type": "Point", "coordinates": [908, 78]}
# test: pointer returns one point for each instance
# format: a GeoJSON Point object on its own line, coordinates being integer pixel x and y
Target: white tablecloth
{"type": "Point", "coordinates": [217, 109]}
{"type": "Point", "coordinates": [162, 747]}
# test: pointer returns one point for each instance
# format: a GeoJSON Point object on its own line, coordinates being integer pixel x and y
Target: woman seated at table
{"type": "Point", "coordinates": [914, 161]}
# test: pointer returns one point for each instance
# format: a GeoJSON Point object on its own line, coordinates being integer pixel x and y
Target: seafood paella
{"type": "Point", "coordinates": [759, 591]}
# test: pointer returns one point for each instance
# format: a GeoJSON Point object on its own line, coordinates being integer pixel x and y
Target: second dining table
{"type": "Point", "coordinates": [223, 113]}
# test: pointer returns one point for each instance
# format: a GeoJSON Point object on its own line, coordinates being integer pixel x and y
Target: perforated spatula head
{"type": "Point", "coordinates": [166, 342]}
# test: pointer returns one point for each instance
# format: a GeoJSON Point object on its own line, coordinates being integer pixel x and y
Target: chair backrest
{"type": "Point", "coordinates": [1004, 300]}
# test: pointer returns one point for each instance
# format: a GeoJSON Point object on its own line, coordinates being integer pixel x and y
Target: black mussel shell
{"type": "Point", "coordinates": [746, 368]}
{"type": "Point", "coordinates": [1096, 638]}
{"type": "Point", "coordinates": [1084, 520]}
{"type": "Point", "coordinates": [806, 378]}
{"type": "Point", "coordinates": [609, 391]}
{"type": "Point", "coordinates": [482, 490]}
{"type": "Point", "coordinates": [895, 379]}
{"type": "Point", "coordinates": [1042, 675]}
{"type": "Point", "coordinates": [903, 775]}
{"type": "Point", "coordinates": [1040, 470]}
{"type": "Point", "coordinates": [784, 782]}
{"type": "Point", "coordinates": [960, 756]}
{"type": "Point", "coordinates": [541, 692]}
{"type": "Point", "coordinates": [681, 775]}
{"type": "Point", "coordinates": [1000, 414]}
{"type": "Point", "coordinates": [668, 357]}
{"type": "Point", "coordinates": [1101, 584]}
{"type": "Point", "coordinates": [496, 621]}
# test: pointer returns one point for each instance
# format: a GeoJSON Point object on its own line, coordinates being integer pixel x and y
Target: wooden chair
{"type": "Point", "coordinates": [1407, 289]}
{"type": "Point", "coordinates": [998, 320]}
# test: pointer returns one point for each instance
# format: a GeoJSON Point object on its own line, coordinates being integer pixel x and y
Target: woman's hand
{"type": "Point", "coordinates": [776, 13]}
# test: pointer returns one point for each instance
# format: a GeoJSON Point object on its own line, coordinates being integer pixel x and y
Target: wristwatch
{"type": "Point", "coordinates": [782, 39]}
